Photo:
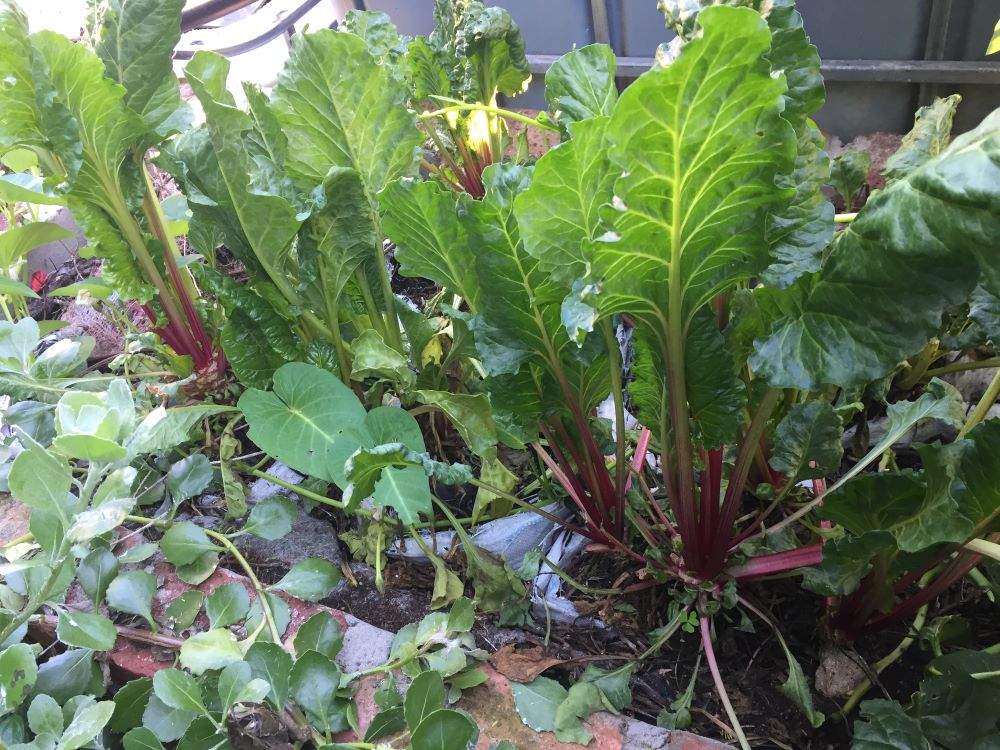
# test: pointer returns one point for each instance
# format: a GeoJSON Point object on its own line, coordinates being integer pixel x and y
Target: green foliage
{"type": "Point", "coordinates": [951, 709]}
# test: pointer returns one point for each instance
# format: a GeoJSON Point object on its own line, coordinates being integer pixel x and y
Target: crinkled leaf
{"type": "Point", "coordinates": [846, 561]}
{"type": "Point", "coordinates": [918, 515]}
{"type": "Point", "coordinates": [137, 43]}
{"type": "Point", "coordinates": [916, 249]}
{"type": "Point", "coordinates": [256, 338]}
{"type": "Point", "coordinates": [340, 108]}
{"type": "Point", "coordinates": [421, 218]}
{"type": "Point", "coordinates": [469, 413]}
{"type": "Point", "coordinates": [808, 442]}
{"type": "Point", "coordinates": [885, 726]}
{"type": "Point", "coordinates": [580, 85]}
{"type": "Point", "coordinates": [383, 39]}
{"type": "Point", "coordinates": [215, 160]}
{"type": "Point", "coordinates": [559, 214]}
{"type": "Point", "coordinates": [336, 239]}
{"type": "Point", "coordinates": [801, 230]}
{"type": "Point", "coordinates": [929, 136]}
{"type": "Point", "coordinates": [91, 130]}
{"type": "Point", "coordinates": [699, 168]}
{"type": "Point", "coordinates": [490, 52]}
{"type": "Point", "coordinates": [848, 174]}
{"type": "Point", "coordinates": [374, 358]}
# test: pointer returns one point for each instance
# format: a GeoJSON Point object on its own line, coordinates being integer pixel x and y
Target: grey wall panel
{"type": "Point", "coordinates": [854, 108]}
{"type": "Point", "coordinates": [867, 29]}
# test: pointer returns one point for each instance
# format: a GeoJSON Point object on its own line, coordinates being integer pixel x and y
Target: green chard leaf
{"type": "Point", "coordinates": [340, 108]}
{"type": "Point", "coordinates": [215, 165]}
{"type": "Point", "coordinates": [421, 218]}
{"type": "Point", "coordinates": [580, 85]}
{"type": "Point", "coordinates": [929, 136]}
{"type": "Point", "coordinates": [559, 214]}
{"type": "Point", "coordinates": [916, 249]}
{"type": "Point", "coordinates": [807, 442]}
{"type": "Point", "coordinates": [137, 43]}
{"type": "Point", "coordinates": [491, 53]}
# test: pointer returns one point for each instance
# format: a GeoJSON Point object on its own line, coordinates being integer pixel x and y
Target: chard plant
{"type": "Point", "coordinates": [691, 208]}
{"type": "Point", "coordinates": [90, 117]}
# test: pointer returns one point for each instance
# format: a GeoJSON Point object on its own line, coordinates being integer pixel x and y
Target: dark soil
{"type": "Point", "coordinates": [752, 664]}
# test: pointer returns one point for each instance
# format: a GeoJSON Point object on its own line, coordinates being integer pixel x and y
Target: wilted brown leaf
{"type": "Point", "coordinates": [522, 665]}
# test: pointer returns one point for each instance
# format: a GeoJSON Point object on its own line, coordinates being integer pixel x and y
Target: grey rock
{"type": "Point", "coordinates": [50, 256]}
{"type": "Point", "coordinates": [262, 488]}
{"type": "Point", "coordinates": [310, 537]}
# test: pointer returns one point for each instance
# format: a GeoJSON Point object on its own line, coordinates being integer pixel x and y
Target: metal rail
{"type": "Point", "coordinates": [208, 11]}
{"type": "Point", "coordinates": [898, 71]}
{"type": "Point", "coordinates": [926, 72]}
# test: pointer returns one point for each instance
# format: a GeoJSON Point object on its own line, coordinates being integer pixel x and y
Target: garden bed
{"type": "Point", "coordinates": [392, 418]}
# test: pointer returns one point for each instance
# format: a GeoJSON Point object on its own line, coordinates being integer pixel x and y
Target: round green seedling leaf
{"type": "Point", "coordinates": [132, 592]}
{"type": "Point", "coordinates": [227, 605]}
{"type": "Point", "coordinates": [213, 649]}
{"type": "Point", "coordinates": [178, 689]}
{"type": "Point", "coordinates": [183, 543]}
{"type": "Point", "coordinates": [445, 729]}
{"type": "Point", "coordinates": [272, 518]}
{"type": "Point", "coordinates": [310, 579]}
{"type": "Point", "coordinates": [86, 630]}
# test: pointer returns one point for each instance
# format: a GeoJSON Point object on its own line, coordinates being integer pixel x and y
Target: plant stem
{"type": "Point", "coordinates": [917, 368]}
{"type": "Point", "coordinates": [845, 218]}
{"type": "Point", "coordinates": [465, 107]}
{"type": "Point", "coordinates": [979, 364]}
{"type": "Point", "coordinates": [720, 687]}
{"type": "Point", "coordinates": [985, 548]}
{"type": "Point", "coordinates": [882, 664]}
{"type": "Point", "coordinates": [983, 407]}
{"type": "Point", "coordinates": [621, 469]}
{"type": "Point", "coordinates": [131, 634]}
{"type": "Point", "coordinates": [265, 605]}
